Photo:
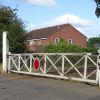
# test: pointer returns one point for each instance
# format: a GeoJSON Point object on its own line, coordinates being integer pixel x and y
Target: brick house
{"type": "Point", "coordinates": [41, 37]}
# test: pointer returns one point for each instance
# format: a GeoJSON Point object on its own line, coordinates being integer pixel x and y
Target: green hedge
{"type": "Point", "coordinates": [64, 47]}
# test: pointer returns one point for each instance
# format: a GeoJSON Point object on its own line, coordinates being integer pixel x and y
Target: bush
{"type": "Point", "coordinates": [90, 49]}
{"type": "Point", "coordinates": [48, 48]}
{"type": "Point", "coordinates": [62, 46]}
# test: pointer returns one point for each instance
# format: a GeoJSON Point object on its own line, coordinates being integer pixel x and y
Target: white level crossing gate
{"type": "Point", "coordinates": [73, 66]}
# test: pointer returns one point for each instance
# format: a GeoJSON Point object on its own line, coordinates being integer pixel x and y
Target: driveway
{"type": "Point", "coordinates": [17, 87]}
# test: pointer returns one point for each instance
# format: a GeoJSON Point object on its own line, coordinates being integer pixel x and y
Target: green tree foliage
{"type": "Point", "coordinates": [97, 11]}
{"type": "Point", "coordinates": [62, 46]}
{"type": "Point", "coordinates": [10, 22]}
{"type": "Point", "coordinates": [92, 41]}
{"type": "Point", "coordinates": [89, 49]}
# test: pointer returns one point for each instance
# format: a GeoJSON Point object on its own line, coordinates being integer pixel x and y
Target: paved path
{"type": "Point", "coordinates": [33, 88]}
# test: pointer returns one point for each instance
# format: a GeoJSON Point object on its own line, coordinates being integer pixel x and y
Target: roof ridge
{"type": "Point", "coordinates": [48, 31]}
{"type": "Point", "coordinates": [49, 27]}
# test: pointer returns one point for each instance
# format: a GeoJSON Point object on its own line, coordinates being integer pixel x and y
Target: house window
{"type": "Point", "coordinates": [31, 43]}
{"type": "Point", "coordinates": [70, 41]}
{"type": "Point", "coordinates": [35, 42]}
{"type": "Point", "coordinates": [57, 40]}
{"type": "Point", "coordinates": [39, 42]}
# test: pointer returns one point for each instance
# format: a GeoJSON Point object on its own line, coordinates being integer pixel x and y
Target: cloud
{"type": "Point", "coordinates": [84, 25]}
{"type": "Point", "coordinates": [50, 3]}
{"type": "Point", "coordinates": [68, 18]}
{"type": "Point", "coordinates": [90, 31]}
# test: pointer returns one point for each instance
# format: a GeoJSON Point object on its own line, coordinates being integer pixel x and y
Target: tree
{"type": "Point", "coordinates": [10, 22]}
{"type": "Point", "coordinates": [14, 25]}
{"type": "Point", "coordinates": [97, 11]}
{"type": "Point", "coordinates": [92, 41]}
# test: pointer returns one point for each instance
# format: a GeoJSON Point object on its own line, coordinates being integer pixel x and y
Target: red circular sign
{"type": "Point", "coordinates": [36, 64]}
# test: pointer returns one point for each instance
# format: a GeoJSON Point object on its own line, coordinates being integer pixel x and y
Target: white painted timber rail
{"type": "Point", "coordinates": [80, 67]}
{"type": "Point", "coordinates": [73, 66]}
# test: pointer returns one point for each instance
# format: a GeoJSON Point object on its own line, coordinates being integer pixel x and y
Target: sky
{"type": "Point", "coordinates": [44, 13]}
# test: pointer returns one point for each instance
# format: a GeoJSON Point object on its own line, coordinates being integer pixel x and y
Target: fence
{"type": "Point", "coordinates": [73, 66]}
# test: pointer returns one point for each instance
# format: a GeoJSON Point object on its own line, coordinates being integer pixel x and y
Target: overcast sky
{"type": "Point", "coordinates": [44, 13]}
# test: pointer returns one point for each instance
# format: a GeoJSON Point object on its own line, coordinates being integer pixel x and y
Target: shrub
{"type": "Point", "coordinates": [90, 49]}
{"type": "Point", "coordinates": [62, 46]}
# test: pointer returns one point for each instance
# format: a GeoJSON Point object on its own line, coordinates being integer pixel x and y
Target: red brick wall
{"type": "Point", "coordinates": [68, 33]}
{"type": "Point", "coordinates": [44, 42]}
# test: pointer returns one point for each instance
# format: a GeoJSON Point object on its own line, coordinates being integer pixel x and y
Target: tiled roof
{"type": "Point", "coordinates": [46, 32]}
{"type": "Point", "coordinates": [43, 33]}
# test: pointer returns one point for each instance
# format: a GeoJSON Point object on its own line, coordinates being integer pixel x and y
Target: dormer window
{"type": "Point", "coordinates": [57, 40]}
{"type": "Point", "coordinates": [70, 41]}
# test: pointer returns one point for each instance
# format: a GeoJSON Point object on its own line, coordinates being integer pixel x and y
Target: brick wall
{"type": "Point", "coordinates": [68, 33]}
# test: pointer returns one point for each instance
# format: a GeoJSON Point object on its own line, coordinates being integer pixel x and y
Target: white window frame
{"type": "Point", "coordinates": [31, 43]}
{"type": "Point", "coordinates": [39, 42]}
{"type": "Point", "coordinates": [34, 42]}
{"type": "Point", "coordinates": [57, 40]}
{"type": "Point", "coordinates": [70, 41]}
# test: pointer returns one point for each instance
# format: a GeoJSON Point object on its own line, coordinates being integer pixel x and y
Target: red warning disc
{"type": "Point", "coordinates": [36, 64]}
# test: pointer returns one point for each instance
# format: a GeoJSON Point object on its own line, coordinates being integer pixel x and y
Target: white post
{"type": "Point", "coordinates": [98, 69]}
{"type": "Point", "coordinates": [99, 78]}
{"type": "Point", "coordinates": [31, 63]}
{"type": "Point", "coordinates": [18, 62]}
{"type": "Point", "coordinates": [63, 65]}
{"type": "Point", "coordinates": [97, 72]}
{"type": "Point", "coordinates": [45, 64]}
{"type": "Point", "coordinates": [5, 50]}
{"type": "Point", "coordinates": [9, 63]}
{"type": "Point", "coordinates": [85, 67]}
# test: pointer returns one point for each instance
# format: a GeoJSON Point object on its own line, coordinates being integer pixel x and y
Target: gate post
{"type": "Point", "coordinates": [45, 64]}
{"type": "Point", "coordinates": [5, 50]}
{"type": "Point", "coordinates": [98, 68]}
{"type": "Point", "coordinates": [85, 67]}
{"type": "Point", "coordinates": [99, 77]}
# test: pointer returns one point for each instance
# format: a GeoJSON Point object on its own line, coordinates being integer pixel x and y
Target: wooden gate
{"type": "Point", "coordinates": [73, 66]}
